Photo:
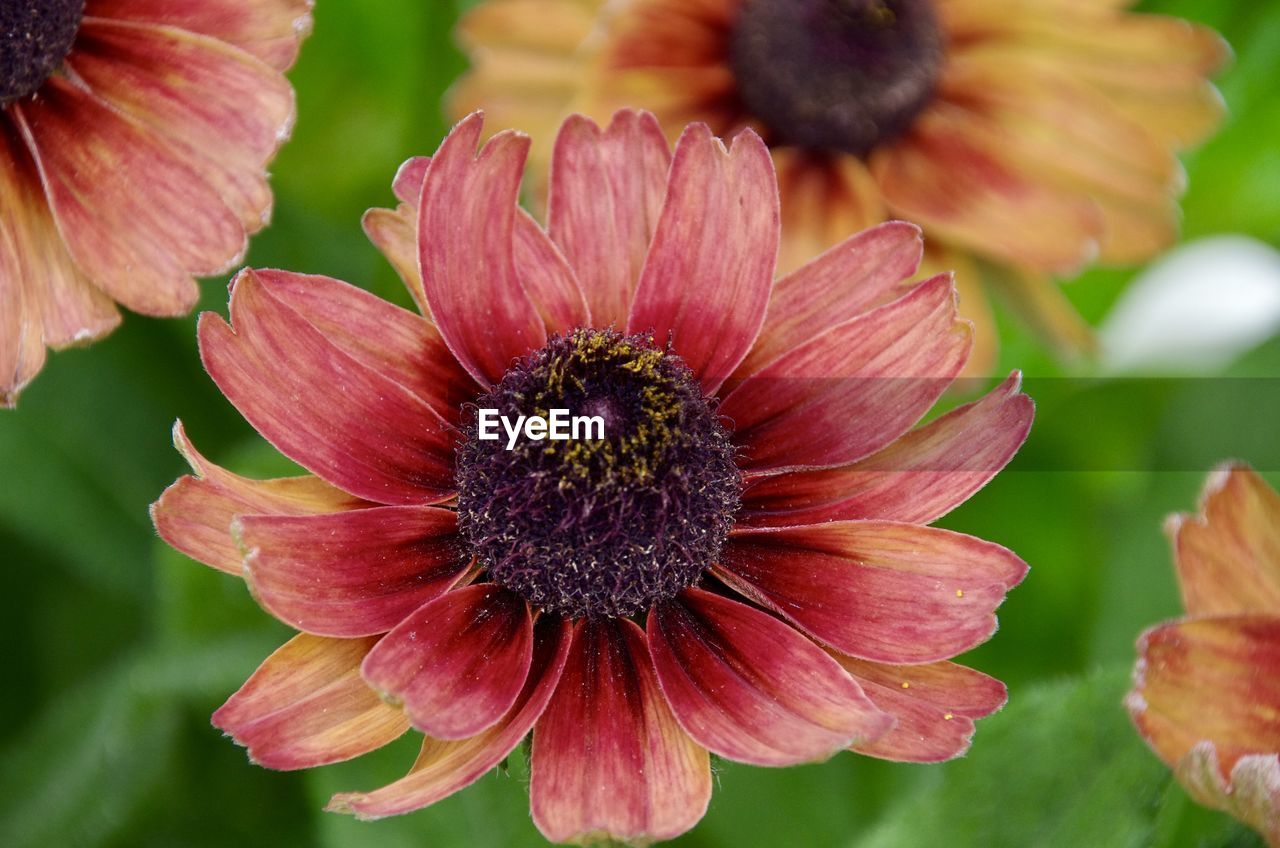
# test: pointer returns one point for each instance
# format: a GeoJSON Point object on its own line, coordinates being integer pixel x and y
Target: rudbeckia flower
{"type": "Point", "coordinates": [133, 140]}
{"type": "Point", "coordinates": [1206, 694]}
{"type": "Point", "coordinates": [1027, 137]}
{"type": "Point", "coordinates": [739, 566]}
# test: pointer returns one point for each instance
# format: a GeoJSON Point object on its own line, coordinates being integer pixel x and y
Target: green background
{"type": "Point", "coordinates": [116, 649]}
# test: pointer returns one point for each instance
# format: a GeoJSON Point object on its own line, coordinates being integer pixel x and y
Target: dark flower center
{"type": "Point", "coordinates": [598, 526]}
{"type": "Point", "coordinates": [836, 74]}
{"type": "Point", "coordinates": [35, 36]}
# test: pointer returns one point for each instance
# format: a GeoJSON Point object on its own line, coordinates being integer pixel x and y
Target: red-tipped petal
{"type": "Point", "coordinates": [917, 479]}
{"type": "Point", "coordinates": [877, 590]}
{"type": "Point", "coordinates": [306, 706]}
{"type": "Point", "coordinates": [466, 222]}
{"type": "Point", "coordinates": [1228, 557]}
{"type": "Point", "coordinates": [864, 271]}
{"type": "Point", "coordinates": [195, 514]}
{"type": "Point", "coordinates": [547, 277]}
{"type": "Point", "coordinates": [935, 706]}
{"type": "Point", "coordinates": [444, 767]}
{"type": "Point", "coordinates": [707, 278]}
{"type": "Point", "coordinates": [854, 389]}
{"type": "Point", "coordinates": [458, 663]}
{"type": "Point", "coordinates": [139, 218]}
{"type": "Point", "coordinates": [609, 759]}
{"type": "Point", "coordinates": [269, 29]}
{"type": "Point", "coordinates": [351, 573]}
{"type": "Point", "coordinates": [352, 425]}
{"type": "Point", "coordinates": [606, 193]}
{"type": "Point", "coordinates": [753, 689]}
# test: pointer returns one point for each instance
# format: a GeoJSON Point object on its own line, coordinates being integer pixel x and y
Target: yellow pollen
{"type": "Point", "coordinates": [906, 685]}
{"type": "Point", "coordinates": [959, 593]}
{"type": "Point", "coordinates": [947, 717]}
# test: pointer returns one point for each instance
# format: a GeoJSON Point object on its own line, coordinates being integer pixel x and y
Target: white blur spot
{"type": "Point", "coordinates": [1196, 310]}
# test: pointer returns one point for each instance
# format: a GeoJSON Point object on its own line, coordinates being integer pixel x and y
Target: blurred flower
{"type": "Point", "coordinates": [133, 141]}
{"type": "Point", "coordinates": [1032, 136]}
{"type": "Point", "coordinates": [767, 592]}
{"type": "Point", "coordinates": [1206, 693]}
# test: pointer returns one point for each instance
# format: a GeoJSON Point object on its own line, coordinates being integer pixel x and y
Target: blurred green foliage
{"type": "Point", "coordinates": [116, 649]}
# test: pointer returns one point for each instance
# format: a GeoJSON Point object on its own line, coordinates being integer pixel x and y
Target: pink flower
{"type": "Point", "coordinates": [134, 135]}
{"type": "Point", "coordinates": [741, 566]}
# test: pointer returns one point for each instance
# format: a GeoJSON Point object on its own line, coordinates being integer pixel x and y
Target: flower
{"type": "Point", "coordinates": [740, 566]}
{"type": "Point", "coordinates": [133, 140]}
{"type": "Point", "coordinates": [1206, 688]}
{"type": "Point", "coordinates": [1029, 135]}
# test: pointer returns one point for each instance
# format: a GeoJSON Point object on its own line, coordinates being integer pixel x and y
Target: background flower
{"type": "Point", "coordinates": [133, 141]}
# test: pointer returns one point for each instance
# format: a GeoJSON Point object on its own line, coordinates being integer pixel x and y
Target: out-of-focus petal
{"type": "Point", "coordinates": [825, 197]}
{"type": "Point", "coordinates": [751, 688]}
{"type": "Point", "coordinates": [341, 419]}
{"type": "Point", "coordinates": [355, 573]}
{"type": "Point", "coordinates": [306, 706]}
{"type": "Point", "coordinates": [444, 767]}
{"type": "Point", "coordinates": [934, 704]}
{"type": "Point", "coordinates": [1228, 557]}
{"type": "Point", "coordinates": [609, 760]}
{"type": "Point", "coordinates": [459, 663]}
{"type": "Point", "coordinates": [876, 590]}
{"type": "Point", "coordinates": [918, 478]}
{"type": "Point", "coordinates": [1250, 792]}
{"type": "Point", "coordinates": [606, 193]}
{"type": "Point", "coordinates": [707, 278]}
{"type": "Point", "coordinates": [855, 388]}
{"type": "Point", "coordinates": [195, 513]}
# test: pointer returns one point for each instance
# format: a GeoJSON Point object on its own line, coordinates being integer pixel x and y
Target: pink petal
{"type": "Point", "coordinates": [752, 688]}
{"type": "Point", "coordinates": [459, 662]}
{"type": "Point", "coordinates": [706, 280]}
{"type": "Point", "coordinates": [408, 180]}
{"type": "Point", "coordinates": [225, 110]}
{"type": "Point", "coordinates": [395, 231]}
{"type": "Point", "coordinates": [877, 590]}
{"type": "Point", "coordinates": [916, 479]}
{"type": "Point", "coordinates": [548, 279]}
{"type": "Point", "coordinates": [269, 29]}
{"type": "Point", "coordinates": [444, 767]}
{"type": "Point", "coordinates": [864, 271]}
{"type": "Point", "coordinates": [195, 514]}
{"type": "Point", "coordinates": [855, 388]}
{"type": "Point", "coordinates": [351, 573]}
{"type": "Point", "coordinates": [306, 706]}
{"type": "Point", "coordinates": [466, 225]}
{"type": "Point", "coordinates": [935, 706]}
{"type": "Point", "coordinates": [609, 759]}
{"type": "Point", "coordinates": [139, 219]}
{"type": "Point", "coordinates": [350, 424]}
{"type": "Point", "coordinates": [379, 335]}
{"type": "Point", "coordinates": [605, 197]}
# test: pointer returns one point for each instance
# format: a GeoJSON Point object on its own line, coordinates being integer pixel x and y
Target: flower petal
{"type": "Point", "coordinates": [269, 29]}
{"type": "Point", "coordinates": [354, 573]}
{"type": "Point", "coordinates": [195, 514]}
{"type": "Point", "coordinates": [855, 388]}
{"type": "Point", "coordinates": [934, 704]}
{"type": "Point", "coordinates": [864, 271]}
{"type": "Point", "coordinates": [1210, 679]}
{"type": "Point", "coordinates": [306, 706]}
{"type": "Point", "coordinates": [753, 689]}
{"type": "Point", "coordinates": [466, 222]}
{"type": "Point", "coordinates": [444, 767]}
{"type": "Point", "coordinates": [825, 197]}
{"type": "Point", "coordinates": [917, 479]}
{"type": "Point", "coordinates": [139, 219]}
{"type": "Point", "coordinates": [606, 194]}
{"type": "Point", "coordinates": [1250, 793]}
{"type": "Point", "coordinates": [459, 662]}
{"type": "Point", "coordinates": [876, 590]}
{"type": "Point", "coordinates": [350, 424]}
{"type": "Point", "coordinates": [547, 278]}
{"type": "Point", "coordinates": [706, 280]}
{"type": "Point", "coordinates": [609, 759]}
{"type": "Point", "coordinates": [1228, 557]}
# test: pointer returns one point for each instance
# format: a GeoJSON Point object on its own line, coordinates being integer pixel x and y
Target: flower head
{"type": "Point", "coordinates": [738, 563]}
{"type": "Point", "coordinates": [133, 140]}
{"type": "Point", "coordinates": [1033, 136]}
{"type": "Point", "coordinates": [1206, 693]}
